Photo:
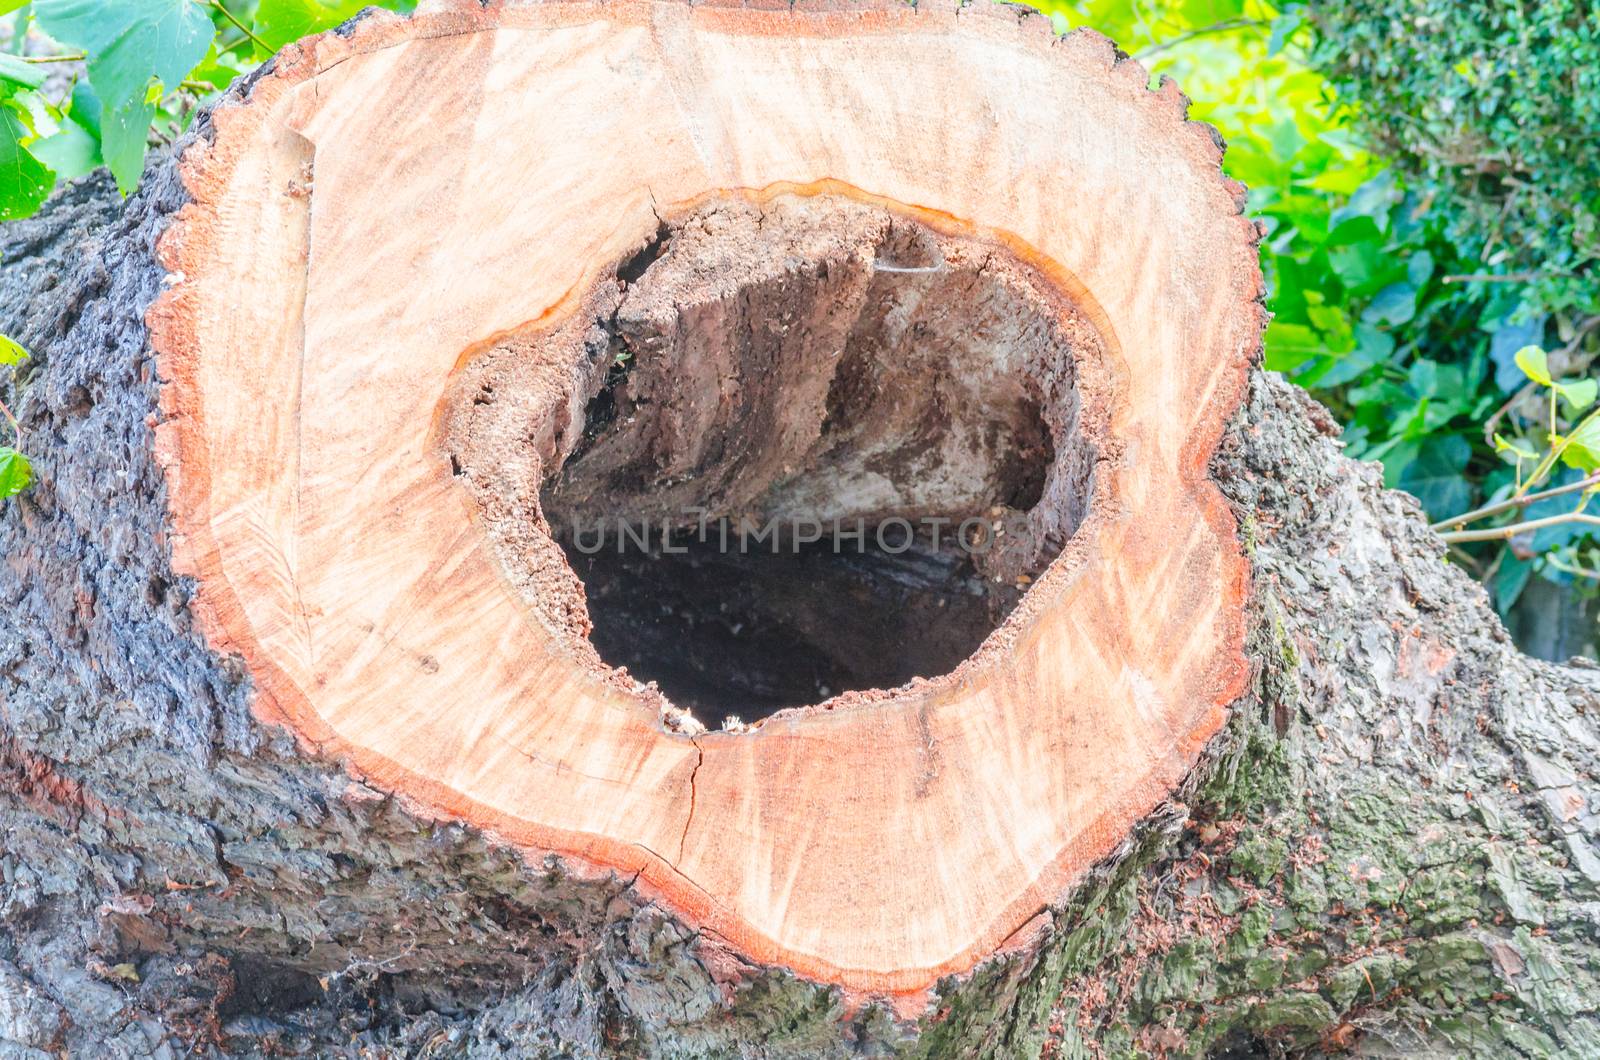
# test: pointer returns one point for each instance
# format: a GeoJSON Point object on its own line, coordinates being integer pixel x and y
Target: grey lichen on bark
{"type": "Point", "coordinates": [1392, 849]}
{"type": "Point", "coordinates": [176, 876]}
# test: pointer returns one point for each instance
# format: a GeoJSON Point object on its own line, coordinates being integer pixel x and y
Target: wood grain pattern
{"type": "Point", "coordinates": [388, 200]}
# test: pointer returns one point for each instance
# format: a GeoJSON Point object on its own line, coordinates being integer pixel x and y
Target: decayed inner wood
{"type": "Point", "coordinates": [823, 448]}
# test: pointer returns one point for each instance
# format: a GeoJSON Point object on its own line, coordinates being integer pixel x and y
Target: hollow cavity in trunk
{"type": "Point", "coordinates": [789, 449]}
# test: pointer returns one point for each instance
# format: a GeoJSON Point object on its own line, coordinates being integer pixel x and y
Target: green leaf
{"type": "Point", "coordinates": [1373, 347]}
{"type": "Point", "coordinates": [86, 108]}
{"type": "Point", "coordinates": [1583, 446]}
{"type": "Point", "coordinates": [280, 22]}
{"type": "Point", "coordinates": [8, 6]}
{"type": "Point", "coordinates": [1354, 229]}
{"type": "Point", "coordinates": [1358, 257]}
{"type": "Point", "coordinates": [129, 42]}
{"type": "Point", "coordinates": [25, 182]}
{"type": "Point", "coordinates": [1334, 326]}
{"type": "Point", "coordinates": [1506, 340]}
{"type": "Point", "coordinates": [1516, 446]}
{"type": "Point", "coordinates": [221, 69]}
{"type": "Point", "coordinates": [16, 474]}
{"type": "Point", "coordinates": [1373, 199]}
{"type": "Point", "coordinates": [1290, 345]}
{"type": "Point", "coordinates": [1420, 268]}
{"type": "Point", "coordinates": [1436, 476]}
{"type": "Point", "coordinates": [1534, 364]}
{"type": "Point", "coordinates": [1415, 422]}
{"type": "Point", "coordinates": [1580, 394]}
{"type": "Point", "coordinates": [1284, 27]}
{"type": "Point", "coordinates": [21, 74]}
{"type": "Point", "coordinates": [1423, 378]}
{"type": "Point", "coordinates": [11, 351]}
{"type": "Point", "coordinates": [1396, 454]}
{"type": "Point", "coordinates": [71, 151]}
{"type": "Point", "coordinates": [1396, 304]}
{"type": "Point", "coordinates": [1509, 580]}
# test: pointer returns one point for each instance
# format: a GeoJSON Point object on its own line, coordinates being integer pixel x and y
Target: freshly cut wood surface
{"type": "Point", "coordinates": [389, 204]}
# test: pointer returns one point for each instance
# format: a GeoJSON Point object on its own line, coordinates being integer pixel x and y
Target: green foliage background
{"type": "Point", "coordinates": [1495, 109]}
{"type": "Point", "coordinates": [1429, 172]}
{"type": "Point", "coordinates": [1430, 175]}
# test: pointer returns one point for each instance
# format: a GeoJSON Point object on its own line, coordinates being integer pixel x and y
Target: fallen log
{"type": "Point", "coordinates": [648, 529]}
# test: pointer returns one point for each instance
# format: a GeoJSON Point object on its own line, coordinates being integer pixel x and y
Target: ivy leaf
{"type": "Point", "coordinates": [1420, 268]}
{"type": "Point", "coordinates": [1534, 364]}
{"type": "Point", "coordinates": [16, 474]}
{"type": "Point", "coordinates": [1436, 477]}
{"type": "Point", "coordinates": [1357, 256]}
{"type": "Point", "coordinates": [25, 182]}
{"type": "Point", "coordinates": [129, 43]}
{"type": "Point", "coordinates": [1396, 304]}
{"type": "Point", "coordinates": [1509, 580]}
{"type": "Point", "coordinates": [1423, 378]}
{"type": "Point", "coordinates": [1505, 341]}
{"type": "Point", "coordinates": [11, 351]}
{"type": "Point", "coordinates": [1373, 347]}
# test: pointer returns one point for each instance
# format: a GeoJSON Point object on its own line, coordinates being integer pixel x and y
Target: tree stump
{"type": "Point", "coordinates": [649, 529]}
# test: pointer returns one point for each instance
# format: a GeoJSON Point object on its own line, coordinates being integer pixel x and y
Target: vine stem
{"type": "Point", "coordinates": [1487, 510]}
{"type": "Point", "coordinates": [1503, 533]}
{"type": "Point", "coordinates": [1579, 333]}
{"type": "Point", "coordinates": [1558, 446]}
{"type": "Point", "coordinates": [1224, 26]}
{"type": "Point", "coordinates": [242, 27]}
{"type": "Point", "coordinates": [55, 58]}
{"type": "Point", "coordinates": [15, 426]}
{"type": "Point", "coordinates": [1574, 569]}
{"type": "Point", "coordinates": [1491, 277]}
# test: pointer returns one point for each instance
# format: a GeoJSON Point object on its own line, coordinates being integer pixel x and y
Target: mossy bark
{"type": "Point", "coordinates": [1392, 851]}
{"type": "Point", "coordinates": [1392, 848]}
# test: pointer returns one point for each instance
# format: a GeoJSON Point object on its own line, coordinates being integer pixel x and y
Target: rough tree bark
{"type": "Point", "coordinates": [1391, 848]}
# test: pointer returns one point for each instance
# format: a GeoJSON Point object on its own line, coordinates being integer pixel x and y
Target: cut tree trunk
{"type": "Point", "coordinates": [322, 728]}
